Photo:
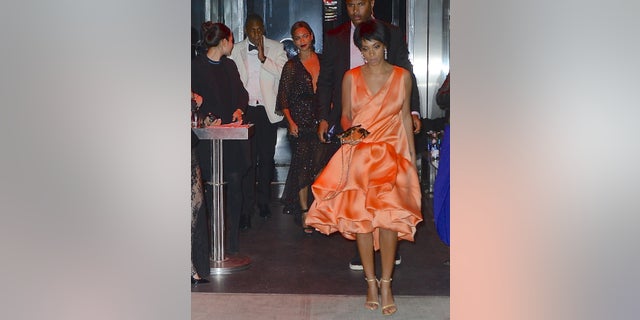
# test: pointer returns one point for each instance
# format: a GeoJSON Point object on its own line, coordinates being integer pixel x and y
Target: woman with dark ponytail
{"type": "Point", "coordinates": [215, 78]}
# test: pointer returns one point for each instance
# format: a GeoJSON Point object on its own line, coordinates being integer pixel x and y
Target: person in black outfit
{"type": "Point", "coordinates": [215, 77]}
{"type": "Point", "coordinates": [442, 97]}
{"type": "Point", "coordinates": [340, 55]}
{"type": "Point", "coordinates": [199, 231]}
{"type": "Point", "coordinates": [295, 100]}
{"type": "Point", "coordinates": [199, 47]}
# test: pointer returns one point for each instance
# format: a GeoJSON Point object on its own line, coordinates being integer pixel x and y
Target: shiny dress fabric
{"type": "Point", "coordinates": [295, 93]}
{"type": "Point", "coordinates": [372, 184]}
{"type": "Point", "coordinates": [441, 187]}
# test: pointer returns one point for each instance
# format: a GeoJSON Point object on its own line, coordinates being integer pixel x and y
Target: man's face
{"type": "Point", "coordinates": [254, 31]}
{"type": "Point", "coordinates": [359, 10]}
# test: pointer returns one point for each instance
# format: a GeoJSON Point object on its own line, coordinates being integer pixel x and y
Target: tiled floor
{"type": "Point", "coordinates": [285, 260]}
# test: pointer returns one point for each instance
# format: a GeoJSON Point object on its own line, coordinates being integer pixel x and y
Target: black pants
{"type": "Point", "coordinates": [238, 191]}
{"type": "Point", "coordinates": [263, 148]}
{"type": "Point", "coordinates": [235, 190]}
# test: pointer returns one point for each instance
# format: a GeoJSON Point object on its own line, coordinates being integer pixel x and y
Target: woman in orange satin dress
{"type": "Point", "coordinates": [369, 191]}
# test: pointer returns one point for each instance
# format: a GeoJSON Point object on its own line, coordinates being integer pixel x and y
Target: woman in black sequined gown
{"type": "Point", "coordinates": [296, 95]}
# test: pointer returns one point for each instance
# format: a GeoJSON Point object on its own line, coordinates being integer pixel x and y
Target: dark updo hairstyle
{"type": "Point", "coordinates": [215, 33]}
{"type": "Point", "coordinates": [304, 24]}
{"type": "Point", "coordinates": [206, 26]}
{"type": "Point", "coordinates": [371, 30]}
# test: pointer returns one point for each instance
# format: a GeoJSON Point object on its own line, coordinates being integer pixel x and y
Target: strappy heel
{"type": "Point", "coordinates": [389, 309]}
{"type": "Point", "coordinates": [307, 229]}
{"type": "Point", "coordinates": [372, 305]}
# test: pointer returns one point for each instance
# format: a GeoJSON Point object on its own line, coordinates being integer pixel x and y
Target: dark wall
{"type": "Point", "coordinates": [197, 13]}
{"type": "Point", "coordinates": [392, 11]}
{"type": "Point", "coordinates": [279, 15]}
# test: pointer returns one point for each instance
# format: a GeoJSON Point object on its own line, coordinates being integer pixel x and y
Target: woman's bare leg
{"type": "Point", "coordinates": [303, 194]}
{"type": "Point", "coordinates": [304, 197]}
{"type": "Point", "coordinates": [388, 244]}
{"type": "Point", "coordinates": [365, 247]}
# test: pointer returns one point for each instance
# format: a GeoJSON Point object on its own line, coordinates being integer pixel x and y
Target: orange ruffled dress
{"type": "Point", "coordinates": [372, 184]}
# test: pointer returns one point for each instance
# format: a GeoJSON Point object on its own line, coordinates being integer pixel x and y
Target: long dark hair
{"type": "Point", "coordinates": [215, 33]}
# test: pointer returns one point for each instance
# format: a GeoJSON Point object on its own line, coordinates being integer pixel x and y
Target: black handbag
{"type": "Point", "coordinates": [353, 135]}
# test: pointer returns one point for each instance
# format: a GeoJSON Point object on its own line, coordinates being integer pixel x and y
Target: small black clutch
{"type": "Point", "coordinates": [353, 135]}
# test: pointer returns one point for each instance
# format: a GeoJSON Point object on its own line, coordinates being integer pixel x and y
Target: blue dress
{"type": "Point", "coordinates": [441, 190]}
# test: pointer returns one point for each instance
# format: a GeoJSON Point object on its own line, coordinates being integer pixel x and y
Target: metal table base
{"type": "Point", "coordinates": [221, 264]}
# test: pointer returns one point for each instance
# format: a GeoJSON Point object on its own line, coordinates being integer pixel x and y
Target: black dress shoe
{"type": "Point", "coordinates": [245, 222]}
{"type": "Point", "coordinates": [265, 212]}
{"type": "Point", "coordinates": [198, 281]}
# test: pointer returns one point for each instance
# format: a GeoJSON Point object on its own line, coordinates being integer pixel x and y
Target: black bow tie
{"type": "Point", "coordinates": [252, 47]}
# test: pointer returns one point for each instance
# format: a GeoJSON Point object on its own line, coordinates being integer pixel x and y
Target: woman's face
{"type": "Point", "coordinates": [372, 51]}
{"type": "Point", "coordinates": [302, 39]}
{"type": "Point", "coordinates": [228, 45]}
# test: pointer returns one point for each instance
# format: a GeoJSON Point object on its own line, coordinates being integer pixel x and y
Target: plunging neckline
{"type": "Point", "coordinates": [308, 73]}
{"type": "Point", "coordinates": [386, 82]}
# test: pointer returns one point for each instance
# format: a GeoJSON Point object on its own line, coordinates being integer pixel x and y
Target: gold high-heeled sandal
{"type": "Point", "coordinates": [308, 230]}
{"type": "Point", "coordinates": [389, 309]}
{"type": "Point", "coordinates": [372, 305]}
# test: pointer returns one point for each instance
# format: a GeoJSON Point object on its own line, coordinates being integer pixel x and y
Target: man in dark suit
{"type": "Point", "coordinates": [340, 55]}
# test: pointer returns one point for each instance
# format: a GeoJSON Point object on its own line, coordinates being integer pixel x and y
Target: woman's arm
{"type": "Point", "coordinates": [407, 120]}
{"type": "Point", "coordinates": [346, 120]}
{"type": "Point", "coordinates": [284, 94]}
{"type": "Point", "coordinates": [293, 126]}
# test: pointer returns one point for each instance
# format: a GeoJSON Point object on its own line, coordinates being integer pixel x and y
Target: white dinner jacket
{"type": "Point", "coordinates": [269, 72]}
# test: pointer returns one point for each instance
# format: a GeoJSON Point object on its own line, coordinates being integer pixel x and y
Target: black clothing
{"type": "Point", "coordinates": [199, 230]}
{"type": "Point", "coordinates": [442, 97]}
{"type": "Point", "coordinates": [337, 61]}
{"type": "Point", "coordinates": [218, 82]}
{"type": "Point", "coordinates": [222, 94]}
{"type": "Point", "coordinates": [263, 146]}
{"type": "Point", "coordinates": [296, 94]}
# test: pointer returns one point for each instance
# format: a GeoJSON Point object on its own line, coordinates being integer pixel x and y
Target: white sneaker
{"type": "Point", "coordinates": [355, 264]}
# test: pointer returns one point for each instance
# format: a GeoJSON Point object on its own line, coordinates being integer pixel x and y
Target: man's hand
{"type": "Point", "coordinates": [260, 46]}
{"type": "Point", "coordinates": [323, 126]}
{"type": "Point", "coordinates": [417, 124]}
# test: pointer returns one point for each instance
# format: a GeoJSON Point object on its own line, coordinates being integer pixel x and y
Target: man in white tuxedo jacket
{"type": "Point", "coordinates": [260, 61]}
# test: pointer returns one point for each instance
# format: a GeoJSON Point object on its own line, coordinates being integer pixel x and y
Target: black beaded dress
{"type": "Point", "coordinates": [295, 93]}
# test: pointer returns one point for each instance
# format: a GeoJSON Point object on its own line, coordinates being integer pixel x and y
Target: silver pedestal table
{"type": "Point", "coordinates": [216, 134]}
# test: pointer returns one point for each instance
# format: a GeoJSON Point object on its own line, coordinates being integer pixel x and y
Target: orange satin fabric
{"type": "Point", "coordinates": [373, 184]}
